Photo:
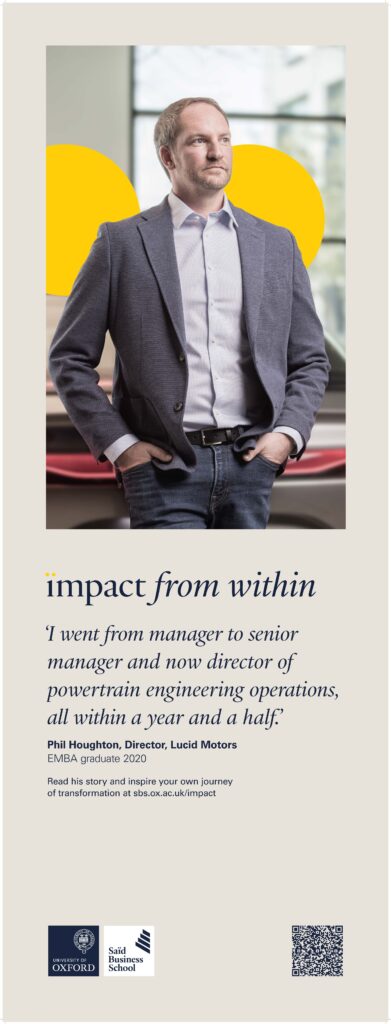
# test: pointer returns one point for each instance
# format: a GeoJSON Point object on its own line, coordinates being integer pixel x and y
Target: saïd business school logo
{"type": "Point", "coordinates": [73, 951]}
{"type": "Point", "coordinates": [129, 951]}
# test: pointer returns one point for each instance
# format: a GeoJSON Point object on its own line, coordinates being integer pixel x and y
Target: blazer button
{"type": "Point", "coordinates": [181, 357]}
{"type": "Point", "coordinates": [178, 406]}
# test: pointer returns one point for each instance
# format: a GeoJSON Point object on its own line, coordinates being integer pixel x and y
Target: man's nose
{"type": "Point", "coordinates": [215, 150]}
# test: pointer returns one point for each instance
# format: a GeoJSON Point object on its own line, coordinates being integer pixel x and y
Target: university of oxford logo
{"type": "Point", "coordinates": [84, 939]}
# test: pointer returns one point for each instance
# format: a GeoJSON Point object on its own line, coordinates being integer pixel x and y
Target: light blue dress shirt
{"type": "Point", "coordinates": [223, 389]}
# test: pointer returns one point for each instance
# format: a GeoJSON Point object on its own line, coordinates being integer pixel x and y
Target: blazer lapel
{"type": "Point", "coordinates": [156, 231]}
{"type": "Point", "coordinates": [251, 240]}
{"type": "Point", "coordinates": [158, 238]}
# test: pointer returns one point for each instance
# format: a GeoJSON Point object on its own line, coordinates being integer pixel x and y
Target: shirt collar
{"type": "Point", "coordinates": [180, 211]}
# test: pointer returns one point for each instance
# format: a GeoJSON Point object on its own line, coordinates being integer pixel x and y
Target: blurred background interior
{"type": "Point", "coordinates": [291, 98]}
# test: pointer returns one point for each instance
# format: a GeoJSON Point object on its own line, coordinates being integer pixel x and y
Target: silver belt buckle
{"type": "Point", "coordinates": [207, 444]}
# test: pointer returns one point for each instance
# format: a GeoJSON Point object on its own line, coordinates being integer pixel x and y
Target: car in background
{"type": "Point", "coordinates": [84, 494]}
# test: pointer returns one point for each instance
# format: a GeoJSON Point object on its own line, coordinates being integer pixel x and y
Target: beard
{"type": "Point", "coordinates": [215, 182]}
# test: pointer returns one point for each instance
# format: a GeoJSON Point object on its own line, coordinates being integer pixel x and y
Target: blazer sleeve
{"type": "Point", "coordinates": [77, 347]}
{"type": "Point", "coordinates": [307, 363]}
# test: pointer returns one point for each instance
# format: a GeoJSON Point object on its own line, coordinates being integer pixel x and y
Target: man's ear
{"type": "Point", "coordinates": [166, 157]}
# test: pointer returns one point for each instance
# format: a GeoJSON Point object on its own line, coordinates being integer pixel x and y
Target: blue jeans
{"type": "Point", "coordinates": [223, 493]}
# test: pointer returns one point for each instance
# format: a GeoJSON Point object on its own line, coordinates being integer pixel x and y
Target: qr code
{"type": "Point", "coordinates": [317, 949]}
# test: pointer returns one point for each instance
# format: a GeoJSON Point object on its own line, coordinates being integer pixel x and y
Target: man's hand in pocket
{"type": "Point", "coordinates": [274, 446]}
{"type": "Point", "coordinates": [139, 453]}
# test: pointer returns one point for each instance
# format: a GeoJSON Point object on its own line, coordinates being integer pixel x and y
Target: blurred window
{"type": "Point", "coordinates": [291, 98]}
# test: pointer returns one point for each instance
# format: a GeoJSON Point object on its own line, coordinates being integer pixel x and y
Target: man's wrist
{"type": "Point", "coordinates": [115, 450]}
{"type": "Point", "coordinates": [294, 436]}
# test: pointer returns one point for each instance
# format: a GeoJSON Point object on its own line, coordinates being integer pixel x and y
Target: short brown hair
{"type": "Point", "coordinates": [167, 125]}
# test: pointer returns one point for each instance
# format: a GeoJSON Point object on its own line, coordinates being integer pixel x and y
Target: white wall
{"type": "Point", "coordinates": [88, 99]}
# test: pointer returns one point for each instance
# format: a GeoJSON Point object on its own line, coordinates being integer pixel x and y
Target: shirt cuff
{"type": "Point", "coordinates": [115, 449]}
{"type": "Point", "coordinates": [296, 437]}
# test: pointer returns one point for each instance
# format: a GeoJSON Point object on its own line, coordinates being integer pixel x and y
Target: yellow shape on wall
{"type": "Point", "coordinates": [84, 188]}
{"type": "Point", "coordinates": [272, 185]}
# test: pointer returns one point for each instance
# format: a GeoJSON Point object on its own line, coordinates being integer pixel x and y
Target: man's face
{"type": "Point", "coordinates": [201, 158]}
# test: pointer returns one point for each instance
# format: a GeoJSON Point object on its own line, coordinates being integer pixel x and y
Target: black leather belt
{"type": "Point", "coordinates": [213, 435]}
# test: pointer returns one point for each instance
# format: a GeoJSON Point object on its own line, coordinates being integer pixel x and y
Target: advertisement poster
{"type": "Point", "coordinates": [195, 749]}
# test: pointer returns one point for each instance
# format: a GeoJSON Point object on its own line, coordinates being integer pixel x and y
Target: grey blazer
{"type": "Point", "coordinates": [129, 285]}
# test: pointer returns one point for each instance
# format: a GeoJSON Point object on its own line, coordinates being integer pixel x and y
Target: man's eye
{"type": "Point", "coordinates": [199, 138]}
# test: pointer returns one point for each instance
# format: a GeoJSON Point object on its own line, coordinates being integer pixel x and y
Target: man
{"type": "Point", "coordinates": [220, 360]}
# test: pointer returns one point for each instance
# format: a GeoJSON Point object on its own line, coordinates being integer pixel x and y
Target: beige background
{"type": "Point", "coordinates": [300, 839]}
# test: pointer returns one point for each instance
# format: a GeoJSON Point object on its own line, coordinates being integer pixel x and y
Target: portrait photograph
{"type": "Point", "coordinates": [196, 287]}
